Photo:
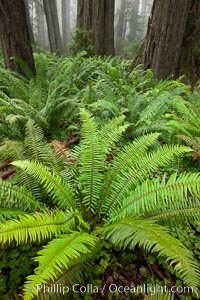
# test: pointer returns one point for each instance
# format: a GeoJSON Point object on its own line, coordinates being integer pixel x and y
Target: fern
{"type": "Point", "coordinates": [119, 195]}
{"type": "Point", "coordinates": [155, 238]}
{"type": "Point", "coordinates": [41, 98]}
{"type": "Point", "coordinates": [17, 197]}
{"type": "Point", "coordinates": [122, 182]}
{"type": "Point", "coordinates": [111, 132]}
{"type": "Point", "coordinates": [91, 159]}
{"type": "Point", "coordinates": [61, 193]}
{"type": "Point", "coordinates": [36, 227]}
{"type": "Point", "coordinates": [162, 199]}
{"type": "Point", "coordinates": [62, 249]}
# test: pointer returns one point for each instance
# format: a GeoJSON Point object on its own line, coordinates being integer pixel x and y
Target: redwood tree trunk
{"type": "Point", "coordinates": [97, 17]}
{"type": "Point", "coordinates": [51, 14]}
{"type": "Point", "coordinates": [171, 46]}
{"type": "Point", "coordinates": [41, 36]}
{"type": "Point", "coordinates": [29, 22]}
{"type": "Point", "coordinates": [84, 14]}
{"type": "Point", "coordinates": [134, 21]}
{"type": "Point", "coordinates": [121, 21]}
{"type": "Point", "coordinates": [14, 34]}
{"type": "Point", "coordinates": [109, 10]}
{"type": "Point", "coordinates": [65, 21]}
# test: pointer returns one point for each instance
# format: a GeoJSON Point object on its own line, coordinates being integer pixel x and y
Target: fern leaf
{"type": "Point", "coordinates": [112, 131]}
{"type": "Point", "coordinates": [91, 160]}
{"type": "Point", "coordinates": [8, 213]}
{"type": "Point", "coordinates": [155, 238]}
{"type": "Point", "coordinates": [39, 150]}
{"type": "Point", "coordinates": [162, 199]}
{"type": "Point", "coordinates": [140, 169]}
{"type": "Point", "coordinates": [17, 196]}
{"type": "Point", "coordinates": [128, 156]}
{"type": "Point", "coordinates": [57, 254]}
{"type": "Point", "coordinates": [36, 227]}
{"type": "Point", "coordinates": [61, 193]}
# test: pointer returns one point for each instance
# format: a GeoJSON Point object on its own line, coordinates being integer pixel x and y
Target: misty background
{"type": "Point", "coordinates": [131, 18]}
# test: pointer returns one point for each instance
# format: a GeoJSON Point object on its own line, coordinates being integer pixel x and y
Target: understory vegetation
{"type": "Point", "coordinates": [100, 182]}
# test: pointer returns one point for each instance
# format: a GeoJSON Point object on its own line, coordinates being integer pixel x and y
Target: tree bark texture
{"type": "Point", "coordinates": [51, 14]}
{"type": "Point", "coordinates": [109, 10]}
{"type": "Point", "coordinates": [29, 22]}
{"type": "Point", "coordinates": [84, 14]}
{"type": "Point", "coordinates": [14, 34]}
{"type": "Point", "coordinates": [121, 20]}
{"type": "Point", "coordinates": [172, 43]}
{"type": "Point", "coordinates": [97, 17]}
{"type": "Point", "coordinates": [41, 36]}
{"type": "Point", "coordinates": [65, 22]}
{"type": "Point", "coordinates": [134, 21]}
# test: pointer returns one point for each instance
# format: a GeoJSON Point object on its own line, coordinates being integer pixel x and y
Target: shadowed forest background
{"type": "Point", "coordinates": [99, 149]}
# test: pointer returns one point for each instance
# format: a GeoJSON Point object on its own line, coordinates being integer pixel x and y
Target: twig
{"type": "Point", "coordinates": [7, 173]}
{"type": "Point", "coordinates": [72, 141]}
{"type": "Point", "coordinates": [5, 163]}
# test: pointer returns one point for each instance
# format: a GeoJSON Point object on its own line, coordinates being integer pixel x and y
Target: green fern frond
{"type": "Point", "coordinates": [127, 157]}
{"type": "Point", "coordinates": [13, 149]}
{"type": "Point", "coordinates": [14, 84]}
{"type": "Point", "coordinates": [155, 238]}
{"type": "Point", "coordinates": [4, 98]}
{"type": "Point", "coordinates": [9, 213]}
{"type": "Point", "coordinates": [54, 98]}
{"type": "Point", "coordinates": [41, 81]}
{"type": "Point", "coordinates": [32, 141]}
{"type": "Point", "coordinates": [68, 277]}
{"type": "Point", "coordinates": [36, 227]}
{"type": "Point", "coordinates": [19, 151]}
{"type": "Point", "coordinates": [39, 150]}
{"type": "Point", "coordinates": [91, 160]}
{"type": "Point", "coordinates": [57, 254]}
{"type": "Point", "coordinates": [112, 131]}
{"type": "Point", "coordinates": [104, 108]}
{"type": "Point", "coordinates": [65, 108]}
{"type": "Point", "coordinates": [136, 170]}
{"type": "Point", "coordinates": [187, 112]}
{"type": "Point", "coordinates": [177, 126]}
{"type": "Point", "coordinates": [157, 126]}
{"type": "Point", "coordinates": [17, 196]}
{"type": "Point", "coordinates": [25, 68]}
{"type": "Point", "coordinates": [61, 193]}
{"type": "Point", "coordinates": [162, 199]}
{"type": "Point", "coordinates": [156, 105]}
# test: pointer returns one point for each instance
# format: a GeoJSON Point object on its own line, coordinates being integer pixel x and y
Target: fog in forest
{"type": "Point", "coordinates": [130, 24]}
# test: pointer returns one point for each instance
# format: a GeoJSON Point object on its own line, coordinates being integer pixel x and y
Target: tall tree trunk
{"type": "Point", "coordinates": [172, 44]}
{"type": "Point", "coordinates": [98, 26]}
{"type": "Point", "coordinates": [41, 36]}
{"type": "Point", "coordinates": [97, 17]}
{"type": "Point", "coordinates": [65, 21]}
{"type": "Point", "coordinates": [109, 48]}
{"type": "Point", "coordinates": [51, 14]}
{"type": "Point", "coordinates": [134, 20]}
{"type": "Point", "coordinates": [84, 14]}
{"type": "Point", "coordinates": [29, 22]}
{"type": "Point", "coordinates": [143, 14]}
{"type": "Point", "coordinates": [14, 34]}
{"type": "Point", "coordinates": [121, 24]}
{"type": "Point", "coordinates": [189, 61]}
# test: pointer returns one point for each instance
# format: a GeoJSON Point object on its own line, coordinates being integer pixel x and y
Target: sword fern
{"type": "Point", "coordinates": [121, 195]}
